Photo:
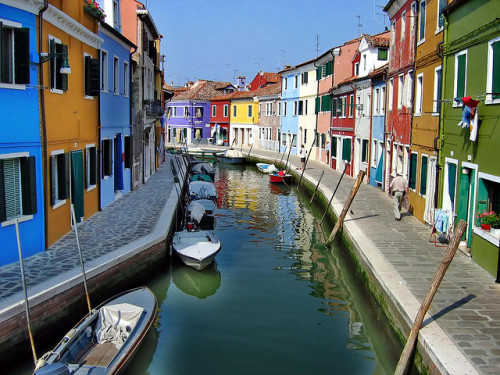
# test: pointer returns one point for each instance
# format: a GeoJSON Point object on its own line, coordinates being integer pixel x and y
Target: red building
{"type": "Point", "coordinates": [399, 86]}
{"type": "Point", "coordinates": [219, 118]}
{"type": "Point", "coordinates": [263, 79]}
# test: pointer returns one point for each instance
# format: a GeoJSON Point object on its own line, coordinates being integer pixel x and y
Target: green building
{"type": "Point", "coordinates": [470, 161]}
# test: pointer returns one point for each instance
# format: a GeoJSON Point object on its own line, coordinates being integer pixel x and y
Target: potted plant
{"type": "Point", "coordinates": [93, 8]}
{"type": "Point", "coordinates": [487, 219]}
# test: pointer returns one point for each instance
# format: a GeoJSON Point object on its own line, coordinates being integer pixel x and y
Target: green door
{"type": "Point", "coordinates": [77, 183]}
{"type": "Point", "coordinates": [465, 201]}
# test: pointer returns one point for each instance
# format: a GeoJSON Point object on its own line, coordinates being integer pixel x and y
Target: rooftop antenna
{"type": "Point", "coordinates": [359, 23]}
{"type": "Point", "coordinates": [281, 63]}
{"type": "Point", "coordinates": [380, 14]}
{"type": "Point", "coordinates": [317, 45]}
{"type": "Point", "coordinates": [257, 63]}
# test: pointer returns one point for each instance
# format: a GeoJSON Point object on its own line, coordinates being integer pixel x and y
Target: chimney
{"type": "Point", "coordinates": [241, 83]}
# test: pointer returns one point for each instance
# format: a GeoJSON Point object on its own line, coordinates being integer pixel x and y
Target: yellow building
{"type": "Point", "coordinates": [425, 126]}
{"type": "Point", "coordinates": [69, 48]}
{"type": "Point", "coordinates": [244, 119]}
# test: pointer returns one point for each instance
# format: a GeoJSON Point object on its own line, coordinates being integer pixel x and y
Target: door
{"type": "Point", "coordinates": [118, 169]}
{"type": "Point", "coordinates": [465, 201]}
{"type": "Point", "coordinates": [77, 184]}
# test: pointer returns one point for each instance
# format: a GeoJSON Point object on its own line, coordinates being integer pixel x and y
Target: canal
{"type": "Point", "coordinates": [275, 301]}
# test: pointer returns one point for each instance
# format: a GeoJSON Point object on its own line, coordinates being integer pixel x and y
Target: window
{"type": "Point", "coordinates": [301, 108]}
{"type": "Point", "coordinates": [126, 79]}
{"type": "Point", "coordinates": [400, 91]}
{"type": "Point", "coordinates": [358, 107]}
{"type": "Point", "coordinates": [423, 175]}
{"type": "Point", "coordinates": [351, 105]}
{"type": "Point", "coordinates": [295, 107]}
{"type": "Point", "coordinates": [440, 18]}
{"type": "Point", "coordinates": [493, 77]}
{"type": "Point", "coordinates": [198, 112]}
{"type": "Point", "coordinates": [421, 21]}
{"type": "Point", "coordinates": [129, 155]}
{"type": "Point", "coordinates": [305, 135]}
{"type": "Point", "coordinates": [104, 71]}
{"type": "Point", "coordinates": [488, 193]}
{"type": "Point", "coordinates": [438, 81]}
{"type": "Point", "coordinates": [91, 76]}
{"type": "Point", "coordinates": [234, 111]}
{"type": "Point", "coordinates": [334, 147]}
{"type": "Point", "coordinates": [376, 101]}
{"type": "Point", "coordinates": [279, 108]}
{"type": "Point", "coordinates": [374, 154]}
{"type": "Point", "coordinates": [226, 110]}
{"type": "Point", "coordinates": [186, 112]}
{"type": "Point", "coordinates": [460, 87]}
{"type": "Point", "coordinates": [90, 167]}
{"type": "Point", "coordinates": [346, 149]}
{"type": "Point", "coordinates": [285, 83]}
{"type": "Point", "coordinates": [116, 75]}
{"type": "Point", "coordinates": [419, 94]}
{"type": "Point", "coordinates": [382, 101]}
{"type": "Point", "coordinates": [382, 54]}
{"type": "Point", "coordinates": [250, 109]}
{"type": "Point", "coordinates": [260, 109]}
{"type": "Point", "coordinates": [364, 151]}
{"type": "Point", "coordinates": [326, 103]}
{"type": "Point", "coordinates": [14, 53]}
{"type": "Point", "coordinates": [295, 81]}
{"type": "Point", "coordinates": [116, 14]}
{"type": "Point", "coordinates": [214, 110]}
{"type": "Point", "coordinates": [17, 186]}
{"type": "Point", "coordinates": [305, 107]}
{"type": "Point", "coordinates": [368, 104]}
{"type": "Point", "coordinates": [356, 69]}
{"type": "Point", "coordinates": [392, 35]}
{"type": "Point", "coordinates": [391, 94]}
{"type": "Point", "coordinates": [305, 78]}
{"type": "Point", "coordinates": [403, 24]}
{"type": "Point", "coordinates": [413, 12]}
{"type": "Point", "coordinates": [364, 63]}
{"type": "Point", "coordinates": [58, 81]}
{"type": "Point", "coordinates": [59, 177]}
{"type": "Point", "coordinates": [412, 183]}
{"type": "Point", "coordinates": [107, 157]}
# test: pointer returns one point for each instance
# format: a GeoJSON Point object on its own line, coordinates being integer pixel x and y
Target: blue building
{"type": "Point", "coordinates": [377, 157]}
{"type": "Point", "coordinates": [21, 172]}
{"type": "Point", "coordinates": [289, 108]}
{"type": "Point", "coordinates": [115, 121]}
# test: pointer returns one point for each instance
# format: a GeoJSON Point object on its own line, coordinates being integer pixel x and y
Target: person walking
{"type": "Point", "coordinates": [398, 188]}
{"type": "Point", "coordinates": [303, 156]}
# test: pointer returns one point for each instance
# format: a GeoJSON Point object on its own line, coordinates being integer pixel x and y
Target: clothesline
{"type": "Point", "coordinates": [477, 97]}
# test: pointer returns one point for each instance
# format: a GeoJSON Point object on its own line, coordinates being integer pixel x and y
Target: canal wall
{"type": "Point", "coordinates": [61, 299]}
{"type": "Point", "coordinates": [436, 353]}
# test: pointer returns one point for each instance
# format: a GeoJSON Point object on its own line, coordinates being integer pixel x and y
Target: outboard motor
{"type": "Point", "coordinates": [52, 369]}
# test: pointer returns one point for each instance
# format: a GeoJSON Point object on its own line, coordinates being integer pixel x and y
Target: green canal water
{"type": "Point", "coordinates": [275, 301]}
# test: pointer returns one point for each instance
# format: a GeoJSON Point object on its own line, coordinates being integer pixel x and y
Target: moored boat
{"type": "Point", "coordinates": [202, 190]}
{"type": "Point", "coordinates": [201, 177]}
{"type": "Point", "coordinates": [105, 339]}
{"type": "Point", "coordinates": [196, 249]}
{"type": "Point", "coordinates": [201, 210]}
{"type": "Point", "coordinates": [266, 168]}
{"type": "Point", "coordinates": [204, 168]}
{"type": "Point", "coordinates": [280, 177]}
{"type": "Point", "coordinates": [232, 156]}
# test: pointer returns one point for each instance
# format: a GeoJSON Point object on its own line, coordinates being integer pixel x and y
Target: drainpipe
{"type": "Point", "coordinates": [43, 120]}
{"type": "Point", "coordinates": [131, 118]}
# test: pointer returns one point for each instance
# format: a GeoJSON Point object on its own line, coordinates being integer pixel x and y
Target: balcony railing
{"type": "Point", "coordinates": [153, 108]}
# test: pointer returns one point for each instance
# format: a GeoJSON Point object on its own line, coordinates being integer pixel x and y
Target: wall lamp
{"type": "Point", "coordinates": [65, 68]}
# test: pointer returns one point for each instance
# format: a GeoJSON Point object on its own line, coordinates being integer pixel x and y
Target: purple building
{"type": "Point", "coordinates": [188, 113]}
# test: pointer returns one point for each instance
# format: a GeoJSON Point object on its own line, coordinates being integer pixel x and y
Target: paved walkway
{"type": "Point", "coordinates": [463, 333]}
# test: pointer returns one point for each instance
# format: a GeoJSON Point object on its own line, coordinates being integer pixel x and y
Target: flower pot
{"type": "Point", "coordinates": [486, 227]}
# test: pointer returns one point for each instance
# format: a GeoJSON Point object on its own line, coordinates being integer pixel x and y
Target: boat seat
{"type": "Point", "coordinates": [101, 354]}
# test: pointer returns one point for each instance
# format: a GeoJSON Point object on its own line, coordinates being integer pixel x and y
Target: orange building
{"type": "Point", "coordinates": [69, 48]}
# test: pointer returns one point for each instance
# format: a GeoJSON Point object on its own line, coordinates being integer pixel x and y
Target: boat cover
{"type": "Point", "coordinates": [197, 211]}
{"type": "Point", "coordinates": [234, 154]}
{"type": "Point", "coordinates": [117, 322]}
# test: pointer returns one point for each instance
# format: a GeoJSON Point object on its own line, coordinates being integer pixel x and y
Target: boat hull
{"type": "Point", "coordinates": [231, 160]}
{"type": "Point", "coordinates": [265, 168]}
{"type": "Point", "coordinates": [196, 249]}
{"type": "Point", "coordinates": [277, 179]}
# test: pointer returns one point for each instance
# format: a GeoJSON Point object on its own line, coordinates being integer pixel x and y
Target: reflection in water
{"type": "Point", "coordinates": [201, 284]}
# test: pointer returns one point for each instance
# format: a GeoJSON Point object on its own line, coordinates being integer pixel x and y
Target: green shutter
{"type": "Point", "coordinates": [423, 176]}
{"type": "Point", "coordinates": [496, 70]}
{"type": "Point", "coordinates": [3, 213]}
{"type": "Point", "coordinates": [306, 77]}
{"type": "Point", "coordinates": [413, 171]}
{"type": "Point", "coordinates": [318, 73]}
{"type": "Point", "coordinates": [346, 149]}
{"type": "Point", "coordinates": [460, 83]}
{"type": "Point", "coordinates": [382, 54]}
{"type": "Point", "coordinates": [22, 55]}
{"type": "Point", "coordinates": [318, 101]}
{"type": "Point", "coordinates": [482, 197]}
{"type": "Point", "coordinates": [28, 185]}
{"type": "Point", "coordinates": [334, 147]}
{"type": "Point", "coordinates": [452, 182]}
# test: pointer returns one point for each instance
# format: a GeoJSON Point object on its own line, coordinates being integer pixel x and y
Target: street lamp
{"type": "Point", "coordinates": [65, 68]}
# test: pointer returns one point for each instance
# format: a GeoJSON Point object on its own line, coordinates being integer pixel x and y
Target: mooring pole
{"type": "Point", "coordinates": [251, 146]}
{"type": "Point", "coordinates": [438, 277]}
{"type": "Point", "coordinates": [317, 185]}
{"type": "Point", "coordinates": [347, 204]}
{"type": "Point", "coordinates": [336, 187]}
{"type": "Point", "coordinates": [81, 257]}
{"type": "Point", "coordinates": [26, 303]}
{"type": "Point", "coordinates": [307, 159]}
{"type": "Point", "coordinates": [289, 151]}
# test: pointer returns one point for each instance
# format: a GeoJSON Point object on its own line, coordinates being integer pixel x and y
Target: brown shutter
{"type": "Point", "coordinates": [22, 55]}
{"type": "Point", "coordinates": [28, 185]}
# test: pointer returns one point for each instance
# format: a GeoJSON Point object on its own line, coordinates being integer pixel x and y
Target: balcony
{"type": "Point", "coordinates": [153, 108]}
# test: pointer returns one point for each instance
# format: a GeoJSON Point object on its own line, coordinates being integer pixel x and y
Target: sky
{"type": "Point", "coordinates": [222, 39]}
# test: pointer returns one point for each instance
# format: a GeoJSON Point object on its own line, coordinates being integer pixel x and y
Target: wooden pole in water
{"type": "Point", "coordinates": [251, 146]}
{"type": "Point", "coordinates": [331, 199]}
{"type": "Point", "coordinates": [307, 159]}
{"type": "Point", "coordinates": [288, 157]}
{"type": "Point", "coordinates": [347, 204]}
{"type": "Point", "coordinates": [81, 257]}
{"type": "Point", "coordinates": [26, 303]}
{"type": "Point", "coordinates": [317, 185]}
{"type": "Point", "coordinates": [438, 277]}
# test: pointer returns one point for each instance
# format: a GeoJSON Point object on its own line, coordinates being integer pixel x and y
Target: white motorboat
{"type": "Point", "coordinates": [201, 210]}
{"type": "Point", "coordinates": [202, 190]}
{"type": "Point", "coordinates": [266, 168]}
{"type": "Point", "coordinates": [196, 249]}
